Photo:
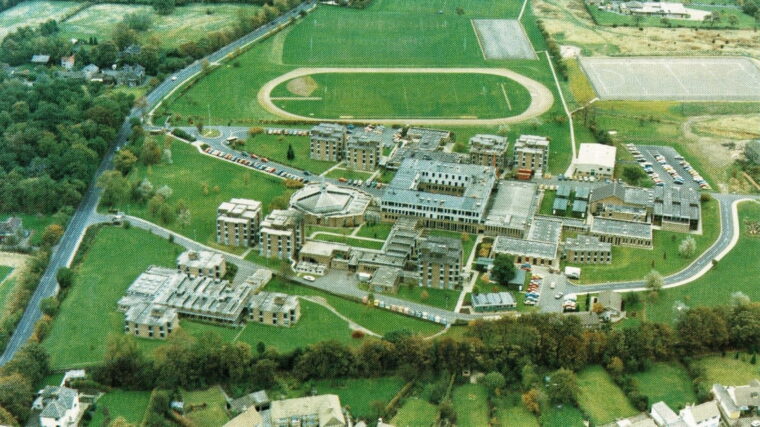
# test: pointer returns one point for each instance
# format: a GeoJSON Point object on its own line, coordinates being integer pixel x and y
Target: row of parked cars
{"type": "Point", "coordinates": [693, 172]}
{"type": "Point", "coordinates": [359, 183]}
{"type": "Point", "coordinates": [424, 315]}
{"type": "Point", "coordinates": [290, 132]}
{"type": "Point", "coordinates": [533, 292]}
{"type": "Point", "coordinates": [254, 163]}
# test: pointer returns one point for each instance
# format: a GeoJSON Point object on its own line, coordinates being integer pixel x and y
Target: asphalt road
{"type": "Point", "coordinates": [86, 214]}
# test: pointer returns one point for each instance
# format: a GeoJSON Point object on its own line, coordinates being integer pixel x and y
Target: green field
{"type": "Point", "coordinates": [33, 13]}
{"type": "Point", "coordinates": [358, 393]}
{"type": "Point", "coordinates": [564, 416]}
{"type": "Point", "coordinates": [728, 370]}
{"type": "Point", "coordinates": [471, 405]}
{"type": "Point", "coordinates": [634, 263]}
{"type": "Point", "coordinates": [717, 285]}
{"type": "Point", "coordinates": [600, 398]}
{"type": "Point", "coordinates": [187, 175]}
{"type": "Point", "coordinates": [275, 147]}
{"type": "Point", "coordinates": [185, 24]}
{"type": "Point", "coordinates": [415, 413]}
{"type": "Point", "coordinates": [358, 243]}
{"type": "Point", "coordinates": [441, 298]}
{"type": "Point", "coordinates": [121, 403]}
{"type": "Point", "coordinates": [667, 382]}
{"type": "Point", "coordinates": [399, 33]}
{"type": "Point", "coordinates": [510, 411]}
{"type": "Point", "coordinates": [409, 95]}
{"type": "Point", "coordinates": [338, 173]}
{"type": "Point", "coordinates": [376, 231]}
{"type": "Point", "coordinates": [214, 411]}
{"type": "Point", "coordinates": [5, 271]}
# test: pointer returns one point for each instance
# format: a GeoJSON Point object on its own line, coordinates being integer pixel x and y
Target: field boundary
{"type": "Point", "coordinates": [541, 100]}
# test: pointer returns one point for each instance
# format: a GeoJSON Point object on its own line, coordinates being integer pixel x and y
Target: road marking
{"type": "Point", "coordinates": [504, 91]}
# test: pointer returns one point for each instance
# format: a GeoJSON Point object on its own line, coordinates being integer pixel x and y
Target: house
{"type": "Point", "coordinates": [322, 410]}
{"type": "Point", "coordinates": [11, 230]}
{"type": "Point", "coordinates": [128, 75]}
{"type": "Point", "coordinates": [704, 415]}
{"type": "Point", "coordinates": [249, 418]}
{"type": "Point", "coordinates": [640, 420]}
{"type": "Point", "coordinates": [67, 62]}
{"type": "Point", "coordinates": [40, 59]}
{"type": "Point", "coordinates": [595, 160]}
{"type": "Point", "coordinates": [670, 10]}
{"type": "Point", "coordinates": [735, 402]}
{"type": "Point", "coordinates": [90, 70]}
{"type": "Point", "coordinates": [59, 406]}
{"type": "Point", "coordinates": [664, 416]}
{"type": "Point", "coordinates": [258, 400]}
{"type": "Point", "coordinates": [202, 263]}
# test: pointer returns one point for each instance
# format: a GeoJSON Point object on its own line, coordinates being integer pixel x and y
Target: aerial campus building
{"type": "Point", "coordinates": [587, 250]}
{"type": "Point", "coordinates": [237, 222]}
{"type": "Point", "coordinates": [202, 263]}
{"type": "Point", "coordinates": [281, 234]}
{"type": "Point", "coordinates": [539, 247]}
{"type": "Point", "coordinates": [331, 205]}
{"type": "Point", "coordinates": [489, 150]}
{"type": "Point", "coordinates": [531, 152]}
{"type": "Point", "coordinates": [363, 150]}
{"type": "Point", "coordinates": [327, 142]}
{"type": "Point", "coordinates": [595, 160]}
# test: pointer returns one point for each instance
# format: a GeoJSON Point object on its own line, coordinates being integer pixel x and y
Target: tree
{"type": "Point", "coordinates": [115, 187]}
{"type": "Point", "coordinates": [64, 277]}
{"type": "Point", "coordinates": [503, 269]}
{"type": "Point", "coordinates": [531, 399]}
{"type": "Point", "coordinates": [291, 154]}
{"type": "Point", "coordinates": [199, 126]}
{"type": "Point", "coordinates": [633, 174]}
{"type": "Point", "coordinates": [124, 161]}
{"type": "Point", "coordinates": [163, 7]}
{"type": "Point", "coordinates": [494, 382]}
{"type": "Point", "coordinates": [255, 131]}
{"type": "Point", "coordinates": [424, 295]}
{"type": "Point", "coordinates": [460, 11]}
{"type": "Point", "coordinates": [166, 156]}
{"type": "Point", "coordinates": [688, 247]}
{"type": "Point", "coordinates": [616, 367]}
{"type": "Point", "coordinates": [49, 306]}
{"type": "Point", "coordinates": [150, 153]}
{"type": "Point", "coordinates": [654, 281]}
{"type": "Point", "coordinates": [529, 376]}
{"type": "Point", "coordinates": [52, 234]}
{"type": "Point", "coordinates": [16, 395]}
{"type": "Point", "coordinates": [733, 20]}
{"type": "Point", "coordinates": [597, 308]}
{"type": "Point", "coordinates": [563, 387]}
{"type": "Point", "coordinates": [123, 36]}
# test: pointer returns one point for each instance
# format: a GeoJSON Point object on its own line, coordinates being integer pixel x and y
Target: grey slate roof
{"type": "Point", "coordinates": [60, 400]}
{"type": "Point", "coordinates": [495, 299]}
{"type": "Point", "coordinates": [630, 195]}
{"type": "Point", "coordinates": [621, 228]}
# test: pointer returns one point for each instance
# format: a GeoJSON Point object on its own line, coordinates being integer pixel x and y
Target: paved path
{"type": "Point", "coordinates": [541, 97]}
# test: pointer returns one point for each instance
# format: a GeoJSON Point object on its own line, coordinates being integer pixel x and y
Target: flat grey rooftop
{"type": "Point", "coordinates": [674, 78]}
{"type": "Point", "coordinates": [503, 39]}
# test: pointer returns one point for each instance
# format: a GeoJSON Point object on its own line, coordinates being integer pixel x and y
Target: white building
{"type": "Point", "coordinates": [59, 405]}
{"type": "Point", "coordinates": [595, 160]}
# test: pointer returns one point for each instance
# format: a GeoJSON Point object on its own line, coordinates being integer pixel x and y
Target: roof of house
{"type": "Point", "coordinates": [250, 400]}
{"type": "Point", "coordinates": [513, 205]}
{"type": "Point", "coordinates": [580, 205]}
{"type": "Point", "coordinates": [40, 59]}
{"type": "Point", "coordinates": [677, 202]}
{"type": "Point", "coordinates": [10, 225]}
{"type": "Point", "coordinates": [664, 412]}
{"type": "Point", "coordinates": [494, 299]}
{"type": "Point", "coordinates": [324, 409]}
{"type": "Point", "coordinates": [60, 400]}
{"type": "Point", "coordinates": [249, 418]}
{"type": "Point", "coordinates": [597, 155]}
{"type": "Point", "coordinates": [545, 230]}
{"type": "Point", "coordinates": [385, 277]}
{"type": "Point", "coordinates": [528, 248]}
{"type": "Point", "coordinates": [587, 243]}
{"type": "Point", "coordinates": [702, 412]}
{"type": "Point", "coordinates": [200, 259]}
{"type": "Point", "coordinates": [610, 299]}
{"type": "Point", "coordinates": [629, 195]}
{"type": "Point", "coordinates": [616, 227]}
{"type": "Point", "coordinates": [440, 250]}
{"type": "Point", "coordinates": [560, 204]}
{"type": "Point", "coordinates": [488, 144]}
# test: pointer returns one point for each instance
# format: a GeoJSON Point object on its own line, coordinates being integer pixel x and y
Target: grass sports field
{"type": "Point", "coordinates": [275, 148]}
{"type": "Point", "coordinates": [186, 23]}
{"type": "Point", "coordinates": [600, 398]}
{"type": "Point", "coordinates": [386, 95]}
{"type": "Point", "coordinates": [33, 13]}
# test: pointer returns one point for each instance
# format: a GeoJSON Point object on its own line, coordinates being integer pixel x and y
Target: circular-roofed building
{"type": "Point", "coordinates": [331, 205]}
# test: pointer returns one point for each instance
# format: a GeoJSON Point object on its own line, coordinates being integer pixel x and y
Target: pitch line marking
{"type": "Point", "coordinates": [504, 91]}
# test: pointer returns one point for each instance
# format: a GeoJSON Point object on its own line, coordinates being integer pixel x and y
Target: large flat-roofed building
{"type": "Point", "coordinates": [676, 208]}
{"type": "Point", "coordinates": [440, 262]}
{"type": "Point", "coordinates": [597, 160]}
{"type": "Point", "coordinates": [587, 250]}
{"type": "Point", "coordinates": [363, 150]}
{"type": "Point", "coordinates": [489, 150]}
{"type": "Point", "coordinates": [327, 142]}
{"type": "Point", "coordinates": [443, 195]}
{"type": "Point", "coordinates": [237, 222]}
{"type": "Point", "coordinates": [385, 280]}
{"type": "Point", "coordinates": [619, 201]}
{"type": "Point", "coordinates": [331, 205]}
{"type": "Point", "coordinates": [324, 411]}
{"type": "Point", "coordinates": [531, 152]}
{"type": "Point", "coordinates": [424, 139]}
{"type": "Point", "coordinates": [511, 209]}
{"type": "Point", "coordinates": [276, 309]}
{"type": "Point", "coordinates": [149, 320]}
{"type": "Point", "coordinates": [201, 298]}
{"type": "Point", "coordinates": [281, 234]}
{"type": "Point", "coordinates": [622, 233]}
{"type": "Point", "coordinates": [670, 10]}
{"type": "Point", "coordinates": [202, 263]}
{"type": "Point", "coordinates": [530, 251]}
{"type": "Point", "coordinates": [497, 301]}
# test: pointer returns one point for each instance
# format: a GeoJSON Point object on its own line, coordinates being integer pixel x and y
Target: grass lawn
{"type": "Point", "coordinates": [717, 285]}
{"type": "Point", "coordinates": [187, 175]}
{"type": "Point", "coordinates": [468, 244]}
{"type": "Point", "coordinates": [668, 382]}
{"type": "Point", "coordinates": [408, 95]}
{"type": "Point", "coordinates": [4, 272]}
{"type": "Point", "coordinates": [35, 224]}
{"type": "Point", "coordinates": [441, 298]}
{"type": "Point", "coordinates": [600, 397]}
{"type": "Point", "coordinates": [377, 231]}
{"type": "Point", "coordinates": [415, 413]}
{"type": "Point", "coordinates": [359, 393]}
{"type": "Point", "coordinates": [728, 370]}
{"type": "Point", "coordinates": [565, 416]}
{"type": "Point", "coordinates": [375, 319]}
{"type": "Point", "coordinates": [275, 147]}
{"type": "Point", "coordinates": [121, 403]}
{"type": "Point", "coordinates": [634, 263]}
{"type": "Point", "coordinates": [394, 32]}
{"type": "Point", "coordinates": [184, 24]}
{"type": "Point", "coordinates": [547, 202]}
{"type": "Point", "coordinates": [511, 412]}
{"type": "Point", "coordinates": [348, 174]}
{"type": "Point", "coordinates": [88, 314]}
{"type": "Point", "coordinates": [33, 13]}
{"type": "Point", "coordinates": [359, 243]}
{"type": "Point", "coordinates": [214, 414]}
{"type": "Point", "coordinates": [471, 405]}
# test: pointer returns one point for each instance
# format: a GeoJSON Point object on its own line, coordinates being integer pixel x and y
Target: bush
{"type": "Point", "coordinates": [357, 334]}
{"type": "Point", "coordinates": [49, 306]}
{"type": "Point", "coordinates": [179, 133]}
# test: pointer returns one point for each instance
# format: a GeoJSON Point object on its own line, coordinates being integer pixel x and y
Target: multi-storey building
{"type": "Point", "coordinates": [237, 222]}
{"type": "Point", "coordinates": [274, 309]}
{"type": "Point", "coordinates": [439, 261]}
{"type": "Point", "coordinates": [363, 151]}
{"type": "Point", "coordinates": [489, 150]}
{"type": "Point", "coordinates": [148, 320]}
{"type": "Point", "coordinates": [587, 250]}
{"type": "Point", "coordinates": [281, 234]}
{"type": "Point", "coordinates": [202, 263]}
{"type": "Point", "coordinates": [327, 142]}
{"type": "Point", "coordinates": [531, 152]}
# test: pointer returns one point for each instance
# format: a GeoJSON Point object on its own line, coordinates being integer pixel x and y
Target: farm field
{"type": "Point", "coordinates": [185, 24]}
{"type": "Point", "coordinates": [601, 398]}
{"type": "Point", "coordinates": [408, 95]}
{"type": "Point", "coordinates": [470, 402]}
{"type": "Point", "coordinates": [211, 406]}
{"type": "Point", "coordinates": [359, 393]}
{"type": "Point", "coordinates": [33, 13]}
{"type": "Point", "coordinates": [717, 285]}
{"type": "Point", "coordinates": [728, 370]}
{"type": "Point", "coordinates": [668, 382]}
{"type": "Point", "coordinates": [357, 243]}
{"type": "Point", "coordinates": [634, 263]}
{"type": "Point", "coordinates": [415, 412]}
{"type": "Point", "coordinates": [187, 175]}
{"type": "Point", "coordinates": [121, 403]}
{"type": "Point", "coordinates": [275, 148]}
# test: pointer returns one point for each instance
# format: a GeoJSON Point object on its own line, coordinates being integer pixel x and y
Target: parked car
{"type": "Point", "coordinates": [309, 278]}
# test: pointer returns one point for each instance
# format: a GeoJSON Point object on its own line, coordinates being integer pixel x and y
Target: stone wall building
{"type": "Point", "coordinates": [281, 234]}
{"type": "Point", "coordinates": [531, 152]}
{"type": "Point", "coordinates": [489, 150]}
{"type": "Point", "coordinates": [439, 261]}
{"type": "Point", "coordinates": [587, 250]}
{"type": "Point", "coordinates": [363, 151]}
{"type": "Point", "coordinates": [327, 142]}
{"type": "Point", "coordinates": [274, 309]}
{"type": "Point", "coordinates": [202, 263]}
{"type": "Point", "coordinates": [237, 222]}
{"type": "Point", "coordinates": [148, 320]}
{"type": "Point", "coordinates": [622, 233]}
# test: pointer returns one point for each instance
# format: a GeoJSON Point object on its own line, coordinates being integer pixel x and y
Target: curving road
{"type": "Point", "coordinates": [541, 98]}
{"type": "Point", "coordinates": [85, 215]}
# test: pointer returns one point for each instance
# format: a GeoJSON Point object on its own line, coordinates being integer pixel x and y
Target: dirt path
{"type": "Point", "coordinates": [541, 97]}
{"type": "Point", "coordinates": [351, 324]}
{"type": "Point", "coordinates": [15, 260]}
